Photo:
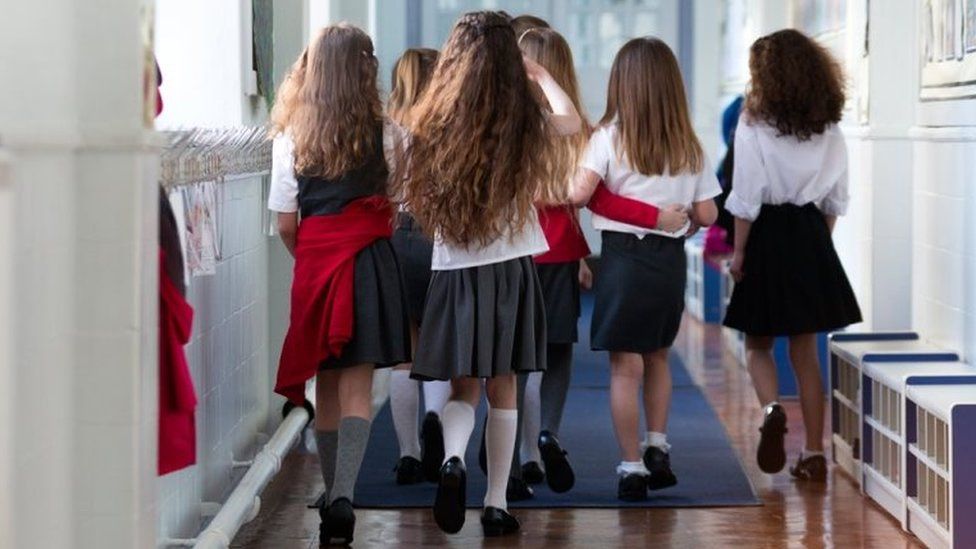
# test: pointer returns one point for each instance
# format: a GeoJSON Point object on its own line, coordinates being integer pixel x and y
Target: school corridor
{"type": "Point", "coordinates": [146, 289]}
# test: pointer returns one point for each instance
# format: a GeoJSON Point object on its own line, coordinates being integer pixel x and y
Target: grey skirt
{"type": "Point", "coordinates": [482, 322]}
{"type": "Point", "coordinates": [639, 294]}
{"type": "Point", "coordinates": [381, 333]}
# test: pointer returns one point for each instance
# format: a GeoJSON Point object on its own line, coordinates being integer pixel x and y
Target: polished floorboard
{"type": "Point", "coordinates": [793, 515]}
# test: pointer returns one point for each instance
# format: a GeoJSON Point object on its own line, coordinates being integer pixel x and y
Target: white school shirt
{"type": "Point", "coordinates": [774, 169]}
{"type": "Point", "coordinates": [662, 190]}
{"type": "Point", "coordinates": [527, 242]}
{"type": "Point", "coordinates": [283, 192]}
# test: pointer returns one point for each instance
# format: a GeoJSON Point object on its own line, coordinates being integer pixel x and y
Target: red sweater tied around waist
{"type": "Point", "coordinates": [322, 291]}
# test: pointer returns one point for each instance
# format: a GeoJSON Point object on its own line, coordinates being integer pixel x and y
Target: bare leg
{"type": "Point", "coordinates": [657, 390]}
{"type": "Point", "coordinates": [806, 366]}
{"type": "Point", "coordinates": [626, 372]}
{"type": "Point", "coordinates": [762, 368]}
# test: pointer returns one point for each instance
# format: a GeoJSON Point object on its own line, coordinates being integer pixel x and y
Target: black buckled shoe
{"type": "Point", "coordinates": [813, 468]}
{"type": "Point", "coordinates": [559, 473]}
{"type": "Point", "coordinates": [532, 473]}
{"type": "Point", "coordinates": [409, 471]}
{"type": "Point", "coordinates": [497, 522]}
{"type": "Point", "coordinates": [632, 487]}
{"type": "Point", "coordinates": [771, 455]}
{"type": "Point", "coordinates": [518, 490]}
{"type": "Point", "coordinates": [338, 523]}
{"type": "Point", "coordinates": [432, 452]}
{"type": "Point", "coordinates": [658, 463]}
{"type": "Point", "coordinates": [450, 501]}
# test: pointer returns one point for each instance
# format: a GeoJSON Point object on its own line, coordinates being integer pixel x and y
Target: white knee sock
{"type": "Point", "coordinates": [499, 445]}
{"type": "Point", "coordinates": [436, 394]}
{"type": "Point", "coordinates": [531, 420]}
{"type": "Point", "coordinates": [457, 420]}
{"type": "Point", "coordinates": [404, 401]}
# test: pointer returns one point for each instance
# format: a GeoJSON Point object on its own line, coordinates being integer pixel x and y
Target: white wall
{"type": "Point", "coordinates": [229, 361]}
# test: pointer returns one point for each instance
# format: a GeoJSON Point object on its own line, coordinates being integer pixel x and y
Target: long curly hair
{"type": "Point", "coordinates": [549, 49]}
{"type": "Point", "coordinates": [411, 74]}
{"type": "Point", "coordinates": [646, 99]}
{"type": "Point", "coordinates": [797, 86]}
{"type": "Point", "coordinates": [479, 142]}
{"type": "Point", "coordinates": [329, 104]}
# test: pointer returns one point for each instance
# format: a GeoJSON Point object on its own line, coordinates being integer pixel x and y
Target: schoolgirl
{"type": "Point", "coordinates": [411, 74]}
{"type": "Point", "coordinates": [562, 271]}
{"type": "Point", "coordinates": [644, 149]}
{"type": "Point", "coordinates": [790, 178]}
{"type": "Point", "coordinates": [479, 152]}
{"type": "Point", "coordinates": [348, 310]}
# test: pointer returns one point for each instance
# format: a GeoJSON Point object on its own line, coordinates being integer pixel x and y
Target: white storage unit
{"type": "Point", "coordinates": [884, 471]}
{"type": "Point", "coordinates": [848, 351]}
{"type": "Point", "coordinates": [940, 464]}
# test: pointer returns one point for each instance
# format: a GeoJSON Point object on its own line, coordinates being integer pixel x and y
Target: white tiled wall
{"type": "Point", "coordinates": [945, 230]}
{"type": "Point", "coordinates": [230, 362]}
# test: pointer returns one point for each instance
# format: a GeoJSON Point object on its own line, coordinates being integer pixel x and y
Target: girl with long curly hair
{"type": "Point", "coordinates": [411, 74]}
{"type": "Point", "coordinates": [329, 187]}
{"type": "Point", "coordinates": [790, 185]}
{"type": "Point", "coordinates": [645, 149]}
{"type": "Point", "coordinates": [479, 154]}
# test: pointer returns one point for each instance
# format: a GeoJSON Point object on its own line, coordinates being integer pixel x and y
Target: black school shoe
{"type": "Point", "coordinates": [518, 490]}
{"type": "Point", "coordinates": [409, 471]}
{"type": "Point", "coordinates": [432, 452]}
{"type": "Point", "coordinates": [338, 523]}
{"type": "Point", "coordinates": [632, 487]}
{"type": "Point", "coordinates": [450, 501]}
{"type": "Point", "coordinates": [532, 473]}
{"type": "Point", "coordinates": [497, 522]}
{"type": "Point", "coordinates": [813, 468]}
{"type": "Point", "coordinates": [559, 473]}
{"type": "Point", "coordinates": [658, 463]}
{"type": "Point", "coordinates": [771, 455]}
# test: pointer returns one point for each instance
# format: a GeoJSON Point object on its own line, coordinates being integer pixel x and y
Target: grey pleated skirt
{"type": "Point", "coordinates": [381, 333]}
{"type": "Point", "coordinates": [639, 295]}
{"type": "Point", "coordinates": [414, 251]}
{"type": "Point", "coordinates": [482, 322]}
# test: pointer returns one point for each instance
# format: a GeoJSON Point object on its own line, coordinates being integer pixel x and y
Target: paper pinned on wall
{"type": "Point", "coordinates": [199, 203]}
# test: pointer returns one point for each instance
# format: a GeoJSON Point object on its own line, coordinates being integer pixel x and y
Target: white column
{"type": "Point", "coordinates": [83, 453]}
{"type": "Point", "coordinates": [7, 379]}
{"type": "Point", "coordinates": [706, 64]}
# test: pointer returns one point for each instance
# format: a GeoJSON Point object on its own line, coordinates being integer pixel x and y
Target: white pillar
{"type": "Point", "coordinates": [84, 276]}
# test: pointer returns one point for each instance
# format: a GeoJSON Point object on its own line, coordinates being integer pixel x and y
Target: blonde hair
{"type": "Point", "coordinates": [329, 104]}
{"type": "Point", "coordinates": [411, 73]}
{"type": "Point", "coordinates": [549, 49]}
{"type": "Point", "coordinates": [479, 139]}
{"type": "Point", "coordinates": [646, 98]}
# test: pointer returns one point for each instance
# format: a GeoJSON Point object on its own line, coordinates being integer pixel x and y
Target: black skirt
{"type": "Point", "coordinates": [639, 293]}
{"type": "Point", "coordinates": [561, 293]}
{"type": "Point", "coordinates": [483, 322]}
{"type": "Point", "coordinates": [794, 282]}
{"type": "Point", "coordinates": [414, 251]}
{"type": "Point", "coordinates": [381, 334]}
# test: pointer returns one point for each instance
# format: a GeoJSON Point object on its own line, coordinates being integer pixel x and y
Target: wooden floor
{"type": "Point", "coordinates": [794, 514]}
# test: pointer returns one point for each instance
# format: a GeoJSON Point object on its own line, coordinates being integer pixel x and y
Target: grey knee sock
{"type": "Point", "coordinates": [353, 436]}
{"type": "Point", "coordinates": [327, 442]}
{"type": "Point", "coordinates": [516, 471]}
{"type": "Point", "coordinates": [555, 385]}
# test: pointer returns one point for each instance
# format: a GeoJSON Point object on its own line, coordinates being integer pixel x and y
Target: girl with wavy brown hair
{"type": "Point", "coordinates": [329, 187]}
{"type": "Point", "coordinates": [411, 74]}
{"type": "Point", "coordinates": [480, 143]}
{"type": "Point", "coordinates": [645, 149]}
{"type": "Point", "coordinates": [790, 184]}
